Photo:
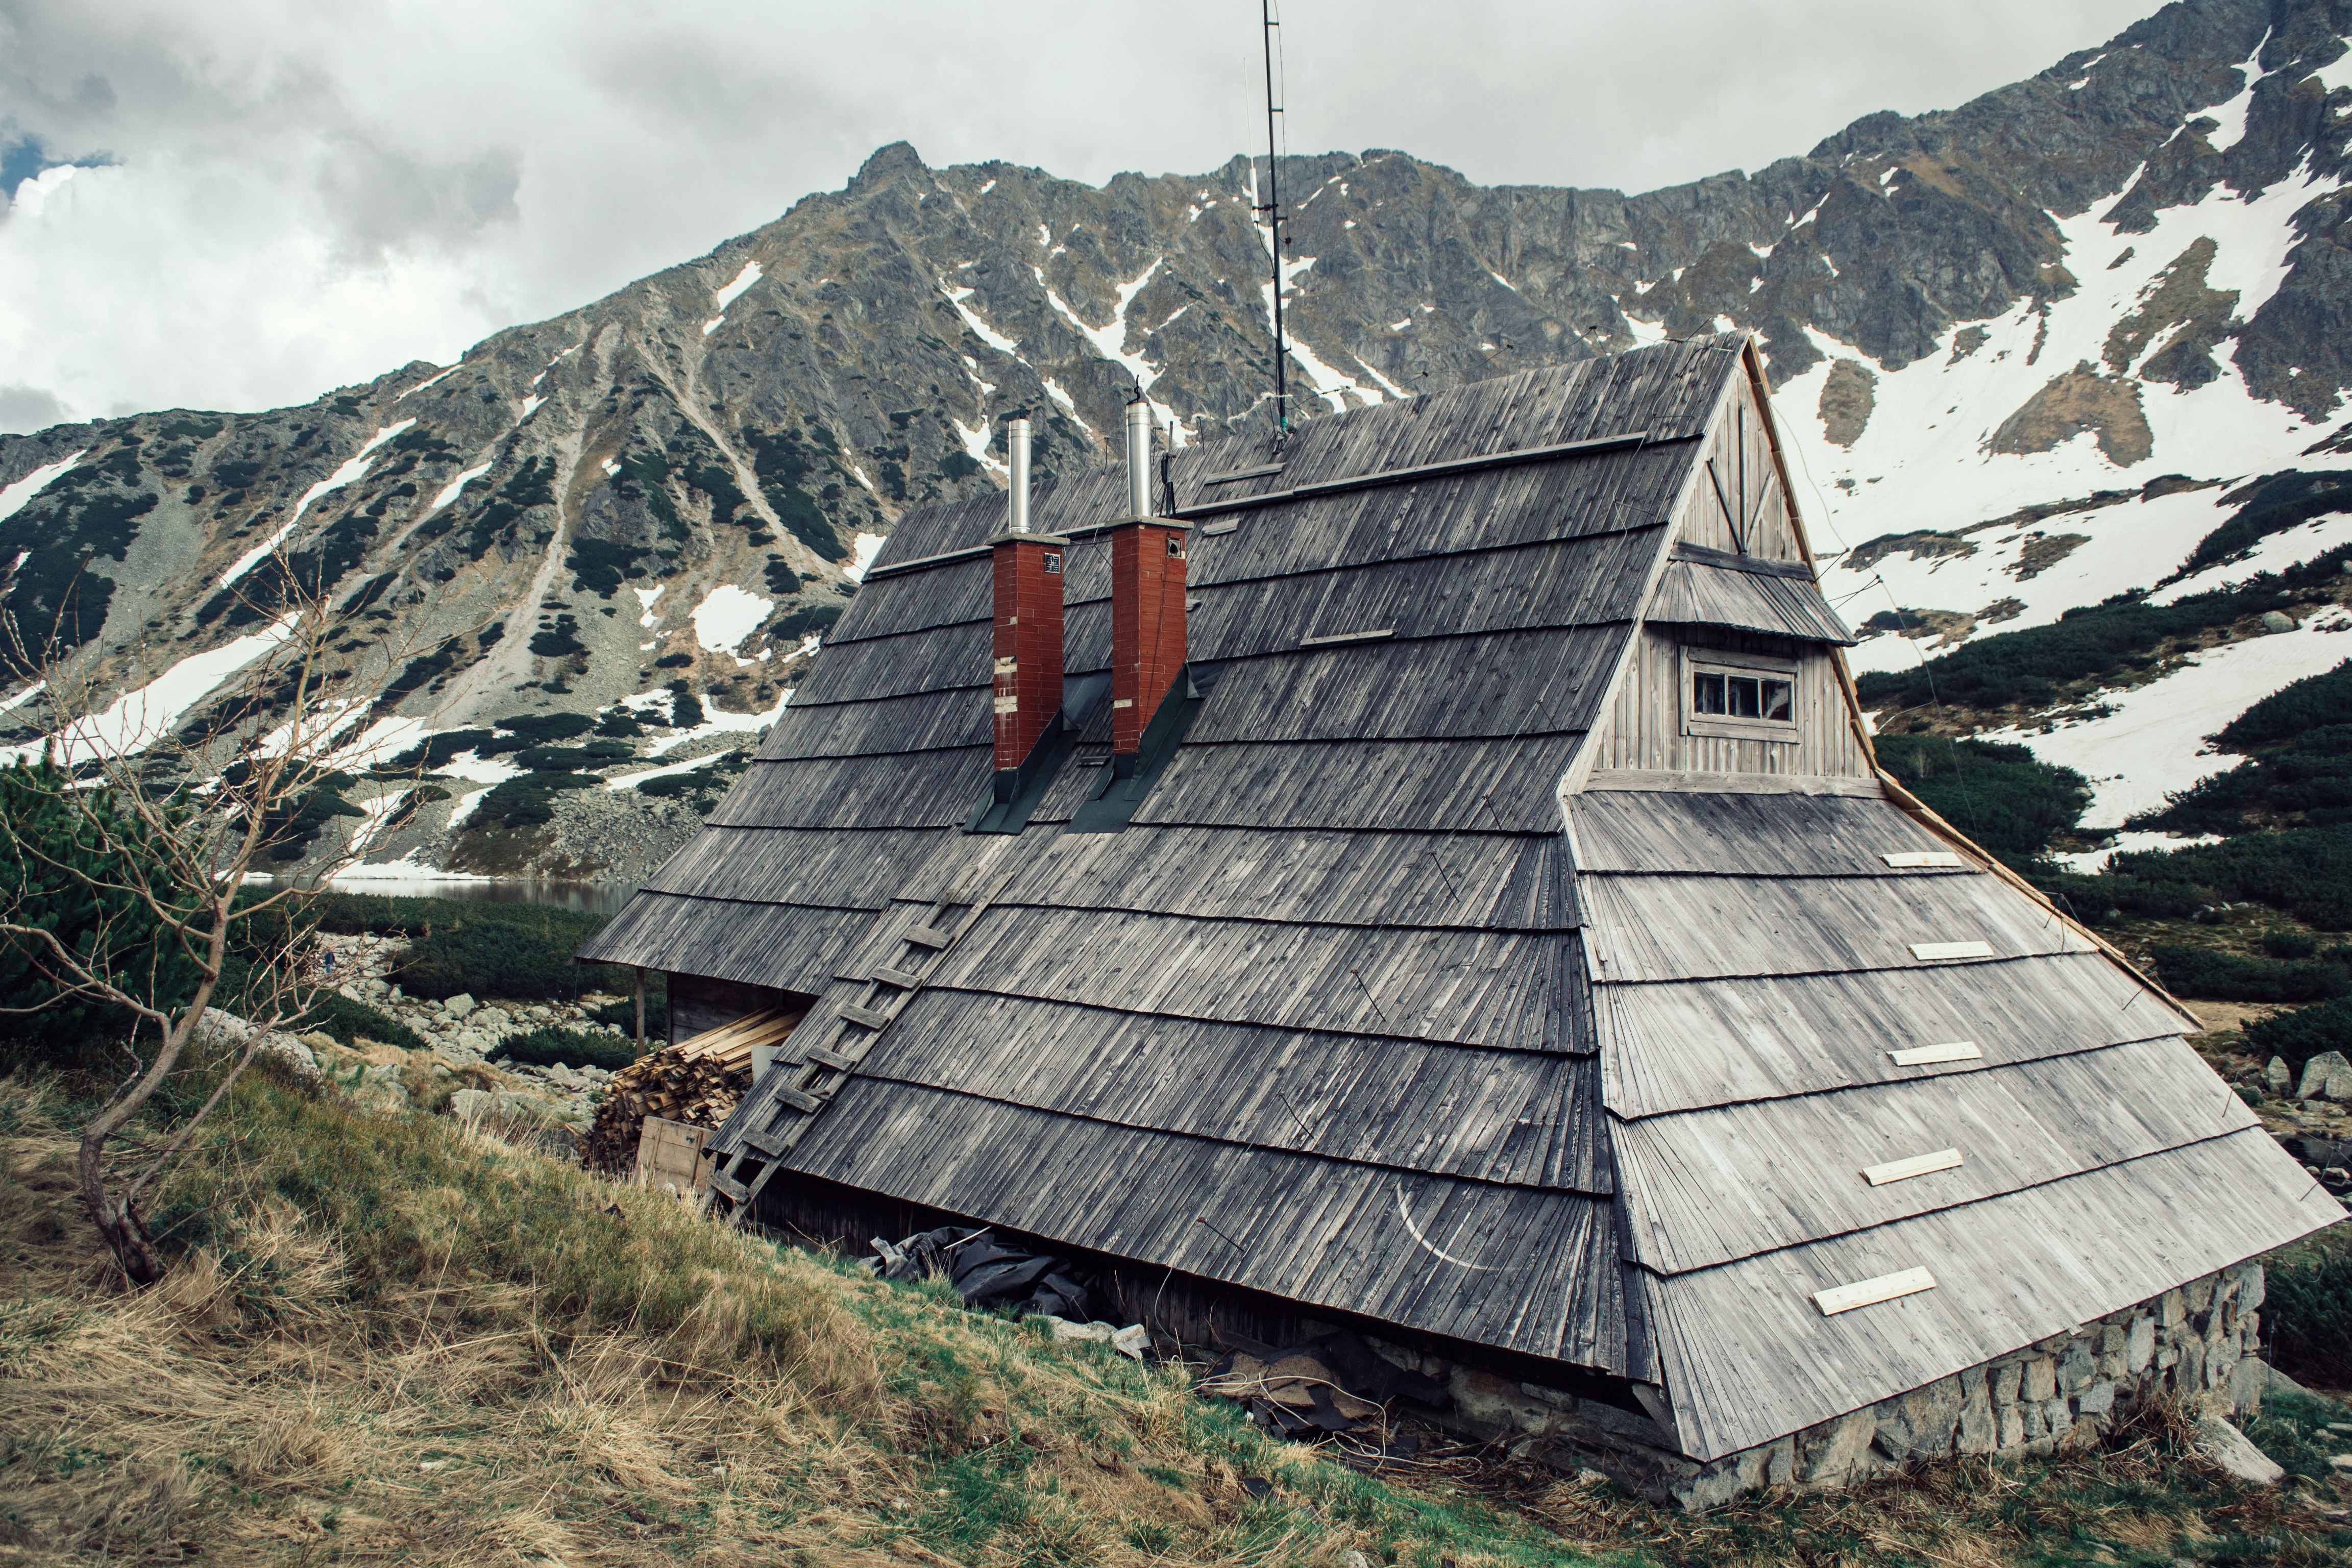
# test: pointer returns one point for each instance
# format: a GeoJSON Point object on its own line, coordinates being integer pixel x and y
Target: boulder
{"type": "Point", "coordinates": [2276, 1077]}
{"type": "Point", "coordinates": [2229, 1450]}
{"type": "Point", "coordinates": [2326, 1075]}
{"type": "Point", "coordinates": [457, 1007]}
{"type": "Point", "coordinates": [2277, 621]}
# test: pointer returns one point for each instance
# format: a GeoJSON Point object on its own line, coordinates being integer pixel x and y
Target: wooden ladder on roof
{"type": "Point", "coordinates": [844, 1039]}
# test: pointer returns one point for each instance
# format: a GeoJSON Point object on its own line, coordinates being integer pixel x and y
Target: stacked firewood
{"type": "Point", "coordinates": [698, 1081]}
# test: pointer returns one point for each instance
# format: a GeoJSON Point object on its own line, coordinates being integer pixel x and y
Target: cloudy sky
{"type": "Point", "coordinates": [244, 203]}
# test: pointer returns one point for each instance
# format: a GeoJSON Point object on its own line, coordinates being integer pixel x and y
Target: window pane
{"type": "Point", "coordinates": [1706, 693]}
{"type": "Point", "coordinates": [1741, 691]}
{"type": "Point", "coordinates": [1780, 702]}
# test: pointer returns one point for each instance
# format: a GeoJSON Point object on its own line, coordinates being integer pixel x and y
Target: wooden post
{"type": "Point", "coordinates": [641, 1009]}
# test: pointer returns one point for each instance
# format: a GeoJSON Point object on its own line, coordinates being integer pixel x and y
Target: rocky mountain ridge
{"type": "Point", "coordinates": [663, 498]}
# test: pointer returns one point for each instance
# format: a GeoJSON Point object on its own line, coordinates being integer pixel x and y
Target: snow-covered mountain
{"type": "Point", "coordinates": [2026, 351]}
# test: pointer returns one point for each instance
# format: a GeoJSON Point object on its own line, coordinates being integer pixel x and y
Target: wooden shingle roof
{"type": "Point", "coordinates": [1345, 989]}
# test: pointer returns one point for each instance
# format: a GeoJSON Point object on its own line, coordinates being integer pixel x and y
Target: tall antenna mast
{"type": "Point", "coordinates": [1273, 209]}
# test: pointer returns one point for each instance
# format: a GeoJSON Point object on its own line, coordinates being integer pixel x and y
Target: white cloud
{"type": "Point", "coordinates": [305, 196]}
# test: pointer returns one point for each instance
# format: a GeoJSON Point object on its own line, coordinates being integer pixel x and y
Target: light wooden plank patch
{"type": "Point", "coordinates": [1347, 636]}
{"type": "Point", "coordinates": [1870, 1292]}
{"type": "Point", "coordinates": [1923, 1056]}
{"type": "Point", "coordinates": [1922, 858]}
{"type": "Point", "coordinates": [1930, 951]}
{"type": "Point", "coordinates": [1916, 1165]}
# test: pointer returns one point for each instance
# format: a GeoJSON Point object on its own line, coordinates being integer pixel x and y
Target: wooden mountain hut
{"type": "Point", "coordinates": [1430, 877]}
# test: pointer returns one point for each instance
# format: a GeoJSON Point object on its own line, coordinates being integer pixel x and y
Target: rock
{"type": "Point", "coordinates": [457, 1007]}
{"type": "Point", "coordinates": [2097, 1399]}
{"type": "Point", "coordinates": [2277, 621]}
{"type": "Point", "coordinates": [2273, 1378]}
{"type": "Point", "coordinates": [2276, 1077]}
{"type": "Point", "coordinates": [2326, 1075]}
{"type": "Point", "coordinates": [471, 1104]}
{"type": "Point", "coordinates": [1132, 1341]}
{"type": "Point", "coordinates": [1068, 1333]}
{"type": "Point", "coordinates": [2229, 1450]}
{"type": "Point", "coordinates": [2248, 1379]}
{"type": "Point", "coordinates": [2139, 1344]}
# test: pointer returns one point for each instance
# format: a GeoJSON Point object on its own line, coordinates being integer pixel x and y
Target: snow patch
{"type": "Point", "coordinates": [2090, 862]}
{"type": "Point", "coordinates": [712, 325]}
{"type": "Point", "coordinates": [13, 496]}
{"type": "Point", "coordinates": [531, 406]}
{"type": "Point", "coordinates": [2230, 119]}
{"type": "Point", "coordinates": [956, 295]}
{"type": "Point", "coordinates": [975, 439]}
{"type": "Point", "coordinates": [2338, 72]}
{"type": "Point", "coordinates": [2273, 552]}
{"type": "Point", "coordinates": [451, 490]}
{"type": "Point", "coordinates": [722, 298]}
{"type": "Point", "coordinates": [136, 719]}
{"type": "Point", "coordinates": [355, 468]}
{"type": "Point", "coordinates": [429, 380]}
{"type": "Point", "coordinates": [2152, 742]}
{"type": "Point", "coordinates": [726, 616]}
{"type": "Point", "coordinates": [863, 549]}
{"type": "Point", "coordinates": [716, 720]}
{"type": "Point", "coordinates": [645, 597]}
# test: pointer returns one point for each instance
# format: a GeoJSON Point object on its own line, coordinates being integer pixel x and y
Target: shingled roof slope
{"type": "Point", "coordinates": [1345, 992]}
{"type": "Point", "coordinates": [1326, 988]}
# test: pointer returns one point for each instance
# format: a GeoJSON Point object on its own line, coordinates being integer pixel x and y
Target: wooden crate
{"type": "Point", "coordinates": [669, 1156]}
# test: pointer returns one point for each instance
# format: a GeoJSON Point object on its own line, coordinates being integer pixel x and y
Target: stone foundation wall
{"type": "Point", "coordinates": [2195, 1344]}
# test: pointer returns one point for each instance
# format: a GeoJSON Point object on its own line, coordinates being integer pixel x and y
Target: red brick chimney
{"type": "Point", "coordinates": [1147, 601]}
{"type": "Point", "coordinates": [1028, 644]}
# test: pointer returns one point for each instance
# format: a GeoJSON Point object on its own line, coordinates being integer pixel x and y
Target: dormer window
{"type": "Point", "coordinates": [1738, 696]}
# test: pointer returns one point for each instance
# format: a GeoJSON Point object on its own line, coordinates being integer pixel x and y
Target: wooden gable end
{"type": "Point", "coordinates": [1734, 599]}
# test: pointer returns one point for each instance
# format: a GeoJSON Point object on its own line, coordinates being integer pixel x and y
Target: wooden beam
{"type": "Point", "coordinates": [1916, 1165]}
{"type": "Point", "coordinates": [1924, 1056]}
{"type": "Point", "coordinates": [1870, 1292]}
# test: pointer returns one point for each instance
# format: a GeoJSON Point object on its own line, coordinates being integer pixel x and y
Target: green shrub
{"type": "Point", "coordinates": [2304, 781]}
{"type": "Point", "coordinates": [2303, 1034]}
{"type": "Point", "coordinates": [685, 709]}
{"type": "Point", "coordinates": [546, 728]}
{"type": "Point", "coordinates": [573, 1048]}
{"type": "Point", "coordinates": [41, 830]}
{"type": "Point", "coordinates": [622, 1014]}
{"type": "Point", "coordinates": [2232, 977]}
{"type": "Point", "coordinates": [2312, 703]}
{"type": "Point", "coordinates": [2092, 642]}
{"type": "Point", "coordinates": [2270, 506]}
{"type": "Point", "coordinates": [2307, 1306]}
{"type": "Point", "coordinates": [2004, 797]}
{"type": "Point", "coordinates": [2290, 944]}
{"type": "Point", "coordinates": [518, 951]}
{"type": "Point", "coordinates": [527, 799]}
{"type": "Point", "coordinates": [2305, 872]}
{"type": "Point", "coordinates": [563, 759]}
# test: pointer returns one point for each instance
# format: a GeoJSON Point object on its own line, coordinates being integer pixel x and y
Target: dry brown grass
{"type": "Point", "coordinates": [396, 1338]}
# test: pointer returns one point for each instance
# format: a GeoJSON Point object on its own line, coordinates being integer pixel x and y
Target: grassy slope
{"type": "Point", "coordinates": [391, 1338]}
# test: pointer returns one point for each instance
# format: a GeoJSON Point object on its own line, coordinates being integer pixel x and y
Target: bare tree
{"type": "Point", "coordinates": [152, 828]}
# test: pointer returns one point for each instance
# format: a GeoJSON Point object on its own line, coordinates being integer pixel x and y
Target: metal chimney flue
{"type": "Point", "coordinates": [1017, 446]}
{"type": "Point", "coordinates": [1139, 458]}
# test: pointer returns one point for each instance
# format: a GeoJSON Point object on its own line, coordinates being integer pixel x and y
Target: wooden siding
{"type": "Point", "coordinates": [1643, 724]}
{"type": "Point", "coordinates": [1738, 503]}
